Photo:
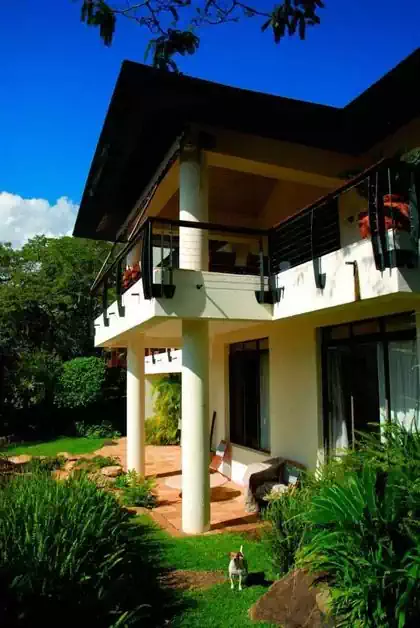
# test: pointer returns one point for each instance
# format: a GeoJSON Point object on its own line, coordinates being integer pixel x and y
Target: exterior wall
{"type": "Point", "coordinates": [296, 413]}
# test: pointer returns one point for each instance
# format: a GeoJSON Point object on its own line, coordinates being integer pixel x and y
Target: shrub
{"type": "Point", "coordinates": [96, 463]}
{"type": "Point", "coordinates": [102, 430]}
{"type": "Point", "coordinates": [288, 527]}
{"type": "Point", "coordinates": [365, 534]}
{"type": "Point", "coordinates": [68, 556]}
{"type": "Point", "coordinates": [48, 464]}
{"type": "Point", "coordinates": [81, 383]}
{"type": "Point", "coordinates": [136, 490]}
{"type": "Point", "coordinates": [162, 428]}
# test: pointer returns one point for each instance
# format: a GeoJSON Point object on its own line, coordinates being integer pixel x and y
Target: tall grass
{"type": "Point", "coordinates": [68, 555]}
{"type": "Point", "coordinates": [358, 523]}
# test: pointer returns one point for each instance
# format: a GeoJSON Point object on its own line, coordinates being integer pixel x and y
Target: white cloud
{"type": "Point", "coordinates": [24, 218]}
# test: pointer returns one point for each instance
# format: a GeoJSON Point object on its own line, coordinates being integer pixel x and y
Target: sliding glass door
{"type": "Point", "coordinates": [370, 376]}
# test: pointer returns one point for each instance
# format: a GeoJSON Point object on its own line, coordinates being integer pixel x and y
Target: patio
{"type": "Point", "coordinates": [227, 503]}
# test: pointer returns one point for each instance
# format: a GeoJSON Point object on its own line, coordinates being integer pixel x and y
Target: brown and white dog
{"type": "Point", "coordinates": [238, 567]}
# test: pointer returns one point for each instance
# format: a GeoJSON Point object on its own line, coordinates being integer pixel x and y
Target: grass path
{"type": "Point", "coordinates": [53, 447]}
{"type": "Point", "coordinates": [217, 607]}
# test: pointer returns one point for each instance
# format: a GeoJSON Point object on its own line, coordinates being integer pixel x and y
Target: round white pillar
{"type": "Point", "coordinates": [195, 427]}
{"type": "Point", "coordinates": [193, 206]}
{"type": "Point", "coordinates": [135, 407]}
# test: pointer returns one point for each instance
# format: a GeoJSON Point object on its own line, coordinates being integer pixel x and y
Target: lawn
{"type": "Point", "coordinates": [53, 447]}
{"type": "Point", "coordinates": [218, 606]}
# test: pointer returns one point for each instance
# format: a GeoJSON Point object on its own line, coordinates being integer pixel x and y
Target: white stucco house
{"type": "Point", "coordinates": [292, 288]}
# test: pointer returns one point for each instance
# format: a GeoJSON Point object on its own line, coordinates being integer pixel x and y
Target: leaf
{"type": "Point", "coordinates": [266, 25]}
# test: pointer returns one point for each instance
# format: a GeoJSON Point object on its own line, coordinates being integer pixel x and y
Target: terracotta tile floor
{"type": "Point", "coordinates": [227, 509]}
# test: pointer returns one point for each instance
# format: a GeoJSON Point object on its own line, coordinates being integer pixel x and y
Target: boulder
{"type": "Point", "coordinates": [112, 471]}
{"type": "Point", "coordinates": [22, 459]}
{"type": "Point", "coordinates": [67, 456]}
{"type": "Point", "coordinates": [291, 602]}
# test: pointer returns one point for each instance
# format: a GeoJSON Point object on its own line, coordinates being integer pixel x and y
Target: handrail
{"type": "Point", "coordinates": [331, 196]}
{"type": "Point", "coordinates": [205, 226]}
{"type": "Point", "coordinates": [318, 233]}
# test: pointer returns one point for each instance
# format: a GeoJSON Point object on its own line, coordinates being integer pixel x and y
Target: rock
{"type": "Point", "coordinates": [290, 602]}
{"type": "Point", "coordinates": [22, 459]}
{"type": "Point", "coordinates": [69, 465]}
{"type": "Point", "coordinates": [323, 600]}
{"type": "Point", "coordinates": [67, 456]}
{"type": "Point", "coordinates": [111, 472]}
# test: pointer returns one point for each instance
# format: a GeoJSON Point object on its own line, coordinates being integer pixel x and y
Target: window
{"type": "Point", "coordinates": [370, 377]}
{"type": "Point", "coordinates": [249, 394]}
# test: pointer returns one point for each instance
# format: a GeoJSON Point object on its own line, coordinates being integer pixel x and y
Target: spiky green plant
{"type": "Point", "coordinates": [365, 534]}
{"type": "Point", "coordinates": [68, 556]}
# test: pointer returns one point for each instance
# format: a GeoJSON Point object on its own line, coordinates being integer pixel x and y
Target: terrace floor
{"type": "Point", "coordinates": [227, 502]}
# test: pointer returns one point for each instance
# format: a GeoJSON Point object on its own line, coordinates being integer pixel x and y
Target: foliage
{"type": "Point", "coordinates": [162, 428]}
{"type": "Point", "coordinates": [136, 490]}
{"type": "Point", "coordinates": [175, 21]}
{"type": "Point", "coordinates": [45, 319]}
{"type": "Point", "coordinates": [48, 464]}
{"type": "Point", "coordinates": [365, 534]}
{"type": "Point", "coordinates": [101, 430]}
{"type": "Point", "coordinates": [54, 447]}
{"type": "Point", "coordinates": [80, 383]}
{"type": "Point", "coordinates": [36, 374]}
{"type": "Point", "coordinates": [68, 556]}
{"type": "Point", "coordinates": [96, 463]}
{"type": "Point", "coordinates": [288, 527]}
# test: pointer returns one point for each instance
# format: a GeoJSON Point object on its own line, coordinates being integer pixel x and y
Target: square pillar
{"type": "Point", "coordinates": [193, 206]}
{"type": "Point", "coordinates": [195, 427]}
{"type": "Point", "coordinates": [135, 407]}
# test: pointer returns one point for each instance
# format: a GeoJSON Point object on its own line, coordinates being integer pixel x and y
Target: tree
{"type": "Point", "coordinates": [45, 314]}
{"type": "Point", "coordinates": [173, 23]}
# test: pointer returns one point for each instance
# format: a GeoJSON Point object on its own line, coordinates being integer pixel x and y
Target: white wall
{"type": "Point", "coordinates": [295, 413]}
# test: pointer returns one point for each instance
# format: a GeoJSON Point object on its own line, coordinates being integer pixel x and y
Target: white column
{"type": "Point", "coordinates": [193, 206]}
{"type": "Point", "coordinates": [135, 407]}
{"type": "Point", "coordinates": [195, 427]}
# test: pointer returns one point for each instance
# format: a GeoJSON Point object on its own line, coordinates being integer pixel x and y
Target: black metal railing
{"type": "Point", "coordinates": [390, 219]}
{"type": "Point", "coordinates": [230, 250]}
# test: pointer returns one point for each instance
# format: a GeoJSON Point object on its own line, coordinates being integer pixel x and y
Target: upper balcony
{"type": "Point", "coordinates": [359, 242]}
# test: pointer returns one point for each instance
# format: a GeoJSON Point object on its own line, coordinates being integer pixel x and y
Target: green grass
{"type": "Point", "coordinates": [217, 607]}
{"type": "Point", "coordinates": [53, 447]}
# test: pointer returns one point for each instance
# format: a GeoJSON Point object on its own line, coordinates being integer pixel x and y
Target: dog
{"type": "Point", "coordinates": [238, 566]}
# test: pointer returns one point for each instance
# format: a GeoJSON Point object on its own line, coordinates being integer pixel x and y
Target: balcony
{"type": "Point", "coordinates": [359, 242]}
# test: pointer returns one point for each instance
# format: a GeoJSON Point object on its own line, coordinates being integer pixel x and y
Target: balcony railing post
{"type": "Point", "coordinates": [121, 309]}
{"type": "Point", "coordinates": [105, 301]}
{"type": "Point", "coordinates": [261, 264]}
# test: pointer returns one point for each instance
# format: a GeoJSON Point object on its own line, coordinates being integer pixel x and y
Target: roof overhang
{"type": "Point", "coordinates": [150, 109]}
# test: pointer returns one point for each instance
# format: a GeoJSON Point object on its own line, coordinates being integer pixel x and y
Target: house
{"type": "Point", "coordinates": [292, 287]}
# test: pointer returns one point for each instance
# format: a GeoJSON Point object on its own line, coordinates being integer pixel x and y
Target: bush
{"type": "Point", "coordinates": [162, 428]}
{"type": "Point", "coordinates": [81, 383]}
{"type": "Point", "coordinates": [136, 490]}
{"type": "Point", "coordinates": [288, 527]}
{"type": "Point", "coordinates": [365, 534]}
{"type": "Point", "coordinates": [68, 556]}
{"type": "Point", "coordinates": [96, 463]}
{"type": "Point", "coordinates": [102, 430]}
{"type": "Point", "coordinates": [48, 464]}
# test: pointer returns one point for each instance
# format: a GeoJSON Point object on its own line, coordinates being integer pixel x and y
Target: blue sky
{"type": "Point", "coordinates": [56, 77]}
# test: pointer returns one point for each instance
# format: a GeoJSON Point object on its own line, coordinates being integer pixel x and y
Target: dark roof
{"type": "Point", "coordinates": [149, 109]}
